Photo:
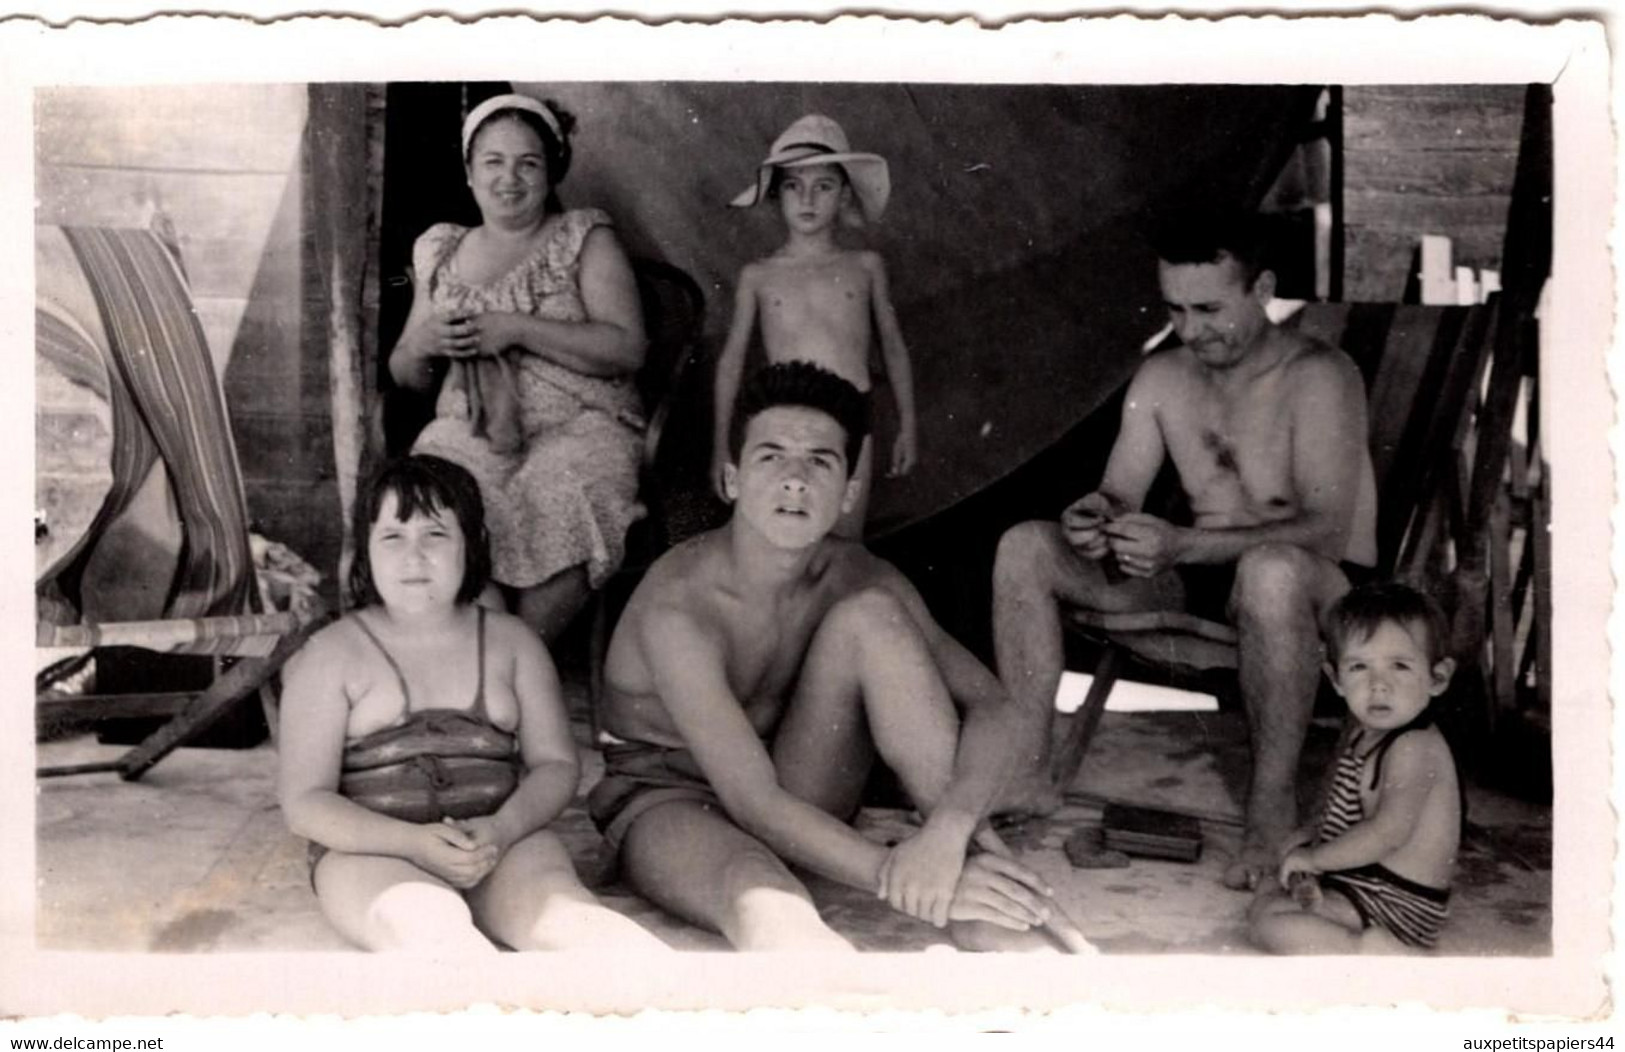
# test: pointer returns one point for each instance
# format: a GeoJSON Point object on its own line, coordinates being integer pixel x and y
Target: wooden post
{"type": "Point", "coordinates": [344, 158]}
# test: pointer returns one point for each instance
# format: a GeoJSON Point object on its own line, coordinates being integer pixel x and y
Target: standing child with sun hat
{"type": "Point", "coordinates": [817, 300]}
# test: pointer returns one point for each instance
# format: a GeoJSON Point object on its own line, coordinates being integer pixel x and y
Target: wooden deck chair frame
{"type": "Point", "coordinates": [1423, 367]}
{"type": "Point", "coordinates": [260, 644]}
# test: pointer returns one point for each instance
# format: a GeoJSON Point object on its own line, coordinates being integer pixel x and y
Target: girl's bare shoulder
{"type": "Point", "coordinates": [332, 649]}
{"type": "Point", "coordinates": [506, 631]}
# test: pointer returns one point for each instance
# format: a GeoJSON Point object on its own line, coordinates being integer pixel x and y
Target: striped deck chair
{"type": "Point", "coordinates": [1422, 367]}
{"type": "Point", "coordinates": [154, 370]}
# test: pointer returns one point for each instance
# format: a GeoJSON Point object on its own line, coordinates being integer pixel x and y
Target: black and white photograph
{"type": "Point", "coordinates": [542, 514]}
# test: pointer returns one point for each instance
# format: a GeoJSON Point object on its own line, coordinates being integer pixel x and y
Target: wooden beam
{"type": "Point", "coordinates": [49, 711]}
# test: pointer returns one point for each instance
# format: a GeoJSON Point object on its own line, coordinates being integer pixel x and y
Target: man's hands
{"type": "Point", "coordinates": [1144, 545]}
{"type": "Point", "coordinates": [1082, 522]}
{"type": "Point", "coordinates": [1000, 891]}
{"type": "Point", "coordinates": [928, 876]}
{"type": "Point", "coordinates": [458, 856]}
{"type": "Point", "coordinates": [1098, 526]}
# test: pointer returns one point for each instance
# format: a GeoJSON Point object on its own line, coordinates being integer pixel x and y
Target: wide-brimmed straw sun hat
{"type": "Point", "coordinates": [816, 139]}
{"type": "Point", "coordinates": [478, 114]}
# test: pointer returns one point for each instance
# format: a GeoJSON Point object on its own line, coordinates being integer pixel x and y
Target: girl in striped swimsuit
{"type": "Point", "coordinates": [1374, 877]}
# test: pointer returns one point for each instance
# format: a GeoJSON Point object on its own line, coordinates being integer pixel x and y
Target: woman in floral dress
{"type": "Point", "coordinates": [530, 324]}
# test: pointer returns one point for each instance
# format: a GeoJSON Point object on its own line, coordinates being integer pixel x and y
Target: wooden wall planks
{"type": "Point", "coordinates": [1425, 159]}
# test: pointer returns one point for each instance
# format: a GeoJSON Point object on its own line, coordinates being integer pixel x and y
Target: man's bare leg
{"type": "Point", "coordinates": [1035, 574]}
{"type": "Point", "coordinates": [869, 684]}
{"type": "Point", "coordinates": [1281, 591]}
{"type": "Point", "coordinates": [690, 860]}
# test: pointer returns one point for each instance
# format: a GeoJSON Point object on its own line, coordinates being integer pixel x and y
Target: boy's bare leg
{"type": "Point", "coordinates": [385, 904]}
{"type": "Point", "coordinates": [1280, 593]}
{"type": "Point", "coordinates": [533, 900]}
{"type": "Point", "coordinates": [691, 861]}
{"type": "Point", "coordinates": [1035, 575]}
{"type": "Point", "coordinates": [869, 683]}
{"type": "Point", "coordinates": [850, 524]}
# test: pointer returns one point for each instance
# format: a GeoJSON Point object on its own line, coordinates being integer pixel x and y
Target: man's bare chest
{"type": "Point", "coordinates": [1243, 435]}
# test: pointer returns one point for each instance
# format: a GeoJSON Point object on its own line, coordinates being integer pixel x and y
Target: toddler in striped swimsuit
{"type": "Point", "coordinates": [1374, 875]}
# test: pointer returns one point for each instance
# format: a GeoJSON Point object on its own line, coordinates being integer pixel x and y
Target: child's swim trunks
{"type": "Point", "coordinates": [1413, 913]}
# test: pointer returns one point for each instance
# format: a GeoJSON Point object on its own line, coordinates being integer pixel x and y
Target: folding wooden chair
{"type": "Point", "coordinates": [144, 354]}
{"type": "Point", "coordinates": [1423, 368]}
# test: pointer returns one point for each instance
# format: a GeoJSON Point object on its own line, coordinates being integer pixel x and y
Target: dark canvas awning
{"type": "Point", "coordinates": [1014, 236]}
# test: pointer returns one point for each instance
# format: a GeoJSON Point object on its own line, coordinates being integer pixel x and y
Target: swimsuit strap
{"type": "Point", "coordinates": [406, 692]}
{"type": "Point", "coordinates": [1423, 720]}
{"type": "Point", "coordinates": [479, 687]}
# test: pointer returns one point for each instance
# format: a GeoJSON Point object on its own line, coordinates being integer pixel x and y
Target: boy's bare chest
{"type": "Point", "coordinates": [829, 289]}
{"type": "Point", "coordinates": [767, 647]}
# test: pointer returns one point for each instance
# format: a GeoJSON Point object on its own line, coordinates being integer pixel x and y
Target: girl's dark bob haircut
{"type": "Point", "coordinates": [431, 485]}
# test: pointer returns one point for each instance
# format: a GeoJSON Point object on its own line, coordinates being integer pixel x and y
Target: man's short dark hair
{"type": "Point", "coordinates": [809, 386]}
{"type": "Point", "coordinates": [1208, 235]}
{"type": "Point", "coordinates": [431, 485]}
{"type": "Point", "coordinates": [1367, 608]}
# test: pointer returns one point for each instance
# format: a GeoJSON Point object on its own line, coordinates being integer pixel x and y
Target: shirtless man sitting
{"type": "Point", "coordinates": [755, 675]}
{"type": "Point", "coordinates": [1267, 429]}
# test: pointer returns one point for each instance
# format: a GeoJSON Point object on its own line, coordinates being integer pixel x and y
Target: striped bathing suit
{"type": "Point", "coordinates": [1413, 913]}
{"type": "Point", "coordinates": [436, 763]}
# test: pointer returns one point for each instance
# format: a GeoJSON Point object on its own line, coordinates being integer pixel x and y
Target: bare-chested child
{"type": "Point", "coordinates": [1385, 847]}
{"type": "Point", "coordinates": [425, 746]}
{"type": "Point", "coordinates": [1267, 429]}
{"type": "Point", "coordinates": [758, 671]}
{"type": "Point", "coordinates": [818, 301]}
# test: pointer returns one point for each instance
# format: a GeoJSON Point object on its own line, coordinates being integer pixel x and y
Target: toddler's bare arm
{"type": "Point", "coordinates": [1409, 773]}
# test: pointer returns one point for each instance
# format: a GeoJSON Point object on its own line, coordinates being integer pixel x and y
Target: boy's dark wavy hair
{"type": "Point", "coordinates": [807, 385]}
{"type": "Point", "coordinates": [556, 150]}
{"type": "Point", "coordinates": [1365, 609]}
{"type": "Point", "coordinates": [432, 485]}
{"type": "Point", "coordinates": [1206, 235]}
